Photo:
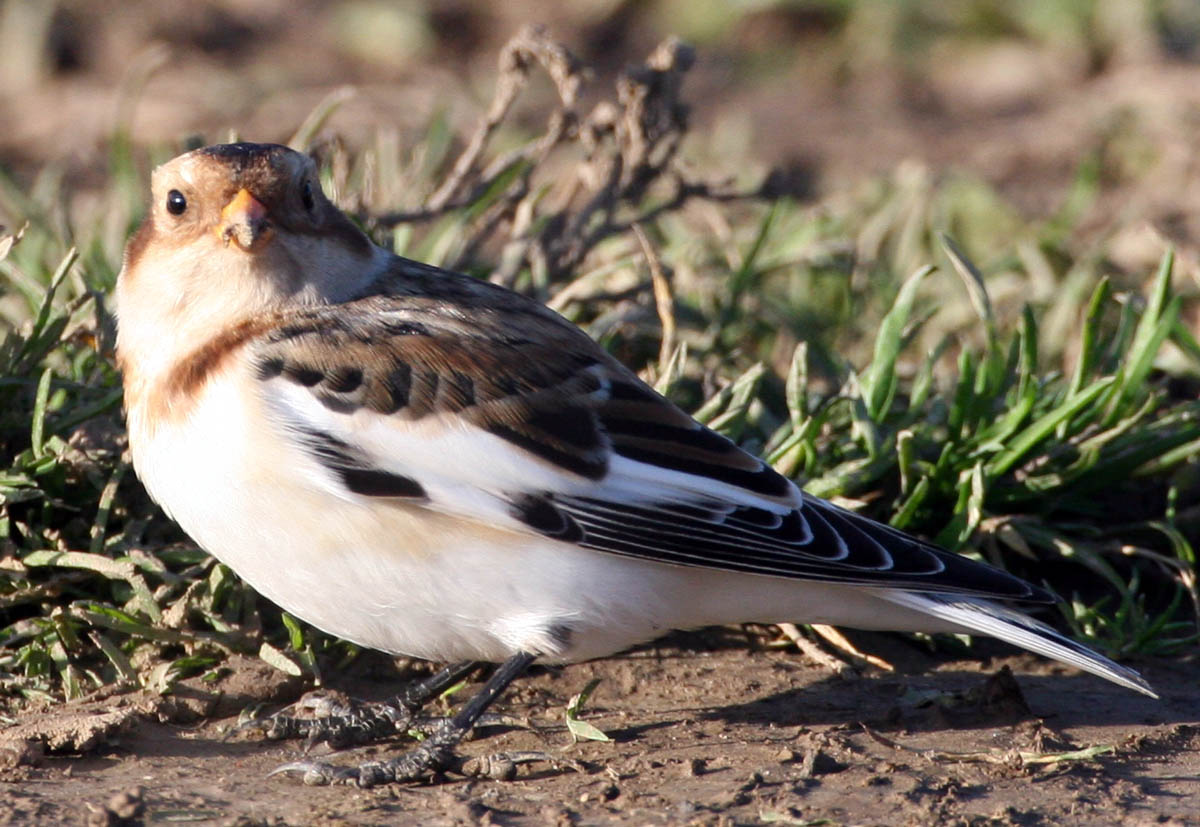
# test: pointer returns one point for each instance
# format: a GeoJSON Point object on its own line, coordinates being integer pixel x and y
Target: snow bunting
{"type": "Point", "coordinates": [431, 465]}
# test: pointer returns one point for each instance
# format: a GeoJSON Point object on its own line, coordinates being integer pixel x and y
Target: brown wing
{"type": "Point", "coordinates": [431, 342]}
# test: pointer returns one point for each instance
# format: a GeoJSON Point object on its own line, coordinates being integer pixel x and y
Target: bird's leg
{"type": "Point", "coordinates": [436, 753]}
{"type": "Point", "coordinates": [342, 725]}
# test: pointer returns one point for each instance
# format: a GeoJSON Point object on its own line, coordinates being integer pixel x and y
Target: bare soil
{"type": "Point", "coordinates": [706, 728]}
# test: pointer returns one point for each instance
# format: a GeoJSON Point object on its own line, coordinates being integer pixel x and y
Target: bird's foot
{"type": "Point", "coordinates": [423, 763]}
{"type": "Point", "coordinates": [333, 722]}
{"type": "Point", "coordinates": [359, 723]}
{"type": "Point", "coordinates": [326, 719]}
{"type": "Point", "coordinates": [433, 757]}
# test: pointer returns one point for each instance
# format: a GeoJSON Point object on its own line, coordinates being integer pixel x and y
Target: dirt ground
{"type": "Point", "coordinates": [706, 729]}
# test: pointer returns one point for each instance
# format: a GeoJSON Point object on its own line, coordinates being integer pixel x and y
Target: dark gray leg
{"type": "Point", "coordinates": [436, 753]}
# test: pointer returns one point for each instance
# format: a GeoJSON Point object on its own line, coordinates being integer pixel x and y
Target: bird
{"type": "Point", "coordinates": [428, 464]}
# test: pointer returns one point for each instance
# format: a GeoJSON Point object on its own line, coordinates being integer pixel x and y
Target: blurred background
{"type": "Point", "coordinates": [1018, 93]}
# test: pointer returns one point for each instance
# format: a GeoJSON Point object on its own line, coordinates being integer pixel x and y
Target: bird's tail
{"type": "Point", "coordinates": [988, 618]}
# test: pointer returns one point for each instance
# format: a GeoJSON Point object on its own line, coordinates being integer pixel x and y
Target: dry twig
{"type": "Point", "coordinates": [546, 221]}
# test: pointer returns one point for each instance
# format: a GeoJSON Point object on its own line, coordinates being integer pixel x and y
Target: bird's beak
{"type": "Point", "coordinates": [244, 222]}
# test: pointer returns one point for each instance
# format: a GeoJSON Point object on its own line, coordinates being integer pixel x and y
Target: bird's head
{"type": "Point", "coordinates": [234, 231]}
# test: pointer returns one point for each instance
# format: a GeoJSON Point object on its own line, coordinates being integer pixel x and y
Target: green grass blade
{"type": "Point", "coordinates": [38, 426]}
{"type": "Point", "coordinates": [1090, 340]}
{"type": "Point", "coordinates": [972, 279]}
{"type": "Point", "coordinates": [1044, 426]}
{"type": "Point", "coordinates": [879, 382]}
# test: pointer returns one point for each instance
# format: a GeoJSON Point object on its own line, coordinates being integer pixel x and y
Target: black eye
{"type": "Point", "coordinates": [176, 203]}
{"type": "Point", "coordinates": [306, 196]}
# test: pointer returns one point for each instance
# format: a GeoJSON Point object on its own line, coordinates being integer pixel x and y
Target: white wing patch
{"type": "Point", "coordinates": [466, 471]}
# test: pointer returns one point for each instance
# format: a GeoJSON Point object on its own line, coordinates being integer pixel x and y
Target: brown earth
{"type": "Point", "coordinates": [706, 729]}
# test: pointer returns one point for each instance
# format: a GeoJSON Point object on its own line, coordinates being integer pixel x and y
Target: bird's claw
{"type": "Point", "coordinates": [502, 766]}
{"type": "Point", "coordinates": [426, 761]}
{"type": "Point", "coordinates": [318, 773]}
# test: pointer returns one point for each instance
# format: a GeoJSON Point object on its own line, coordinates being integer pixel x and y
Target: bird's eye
{"type": "Point", "coordinates": [306, 196]}
{"type": "Point", "coordinates": [176, 203]}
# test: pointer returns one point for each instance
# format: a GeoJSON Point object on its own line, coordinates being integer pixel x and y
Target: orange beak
{"type": "Point", "coordinates": [244, 222]}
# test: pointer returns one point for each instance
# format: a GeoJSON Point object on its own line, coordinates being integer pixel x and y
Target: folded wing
{"type": "Point", "coordinates": [486, 405]}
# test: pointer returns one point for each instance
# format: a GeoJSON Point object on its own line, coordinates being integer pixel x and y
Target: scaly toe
{"type": "Point", "coordinates": [318, 773]}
